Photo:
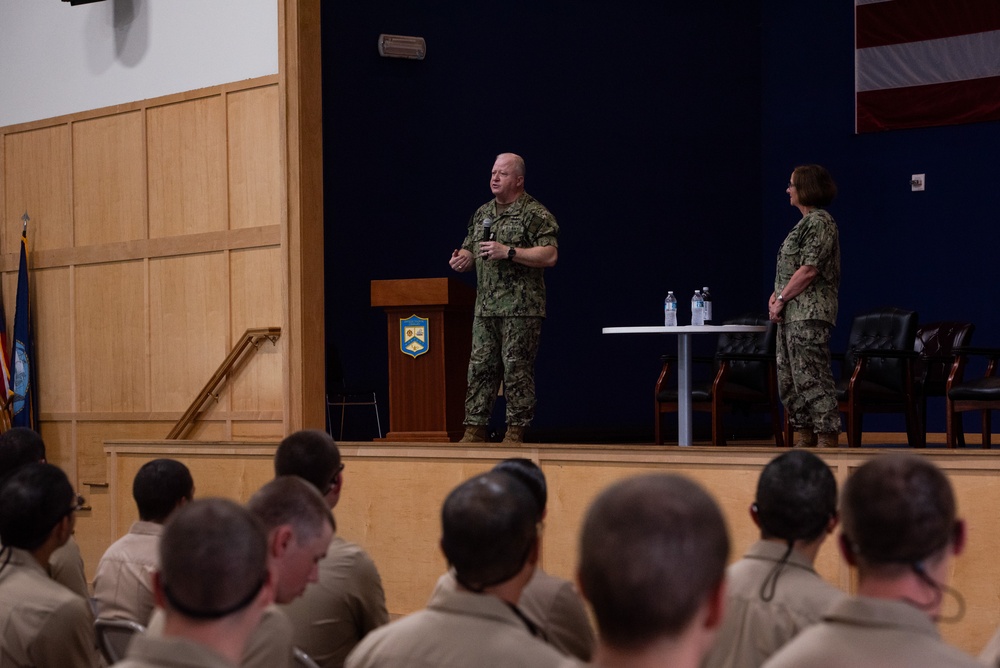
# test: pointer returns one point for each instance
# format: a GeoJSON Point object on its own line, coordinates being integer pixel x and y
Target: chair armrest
{"type": "Point", "coordinates": [992, 353]}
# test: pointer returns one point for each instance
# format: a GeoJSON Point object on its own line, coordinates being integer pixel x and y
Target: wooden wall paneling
{"type": "Point", "coordinates": [255, 181]}
{"type": "Point", "coordinates": [109, 179]}
{"type": "Point", "coordinates": [256, 298]}
{"type": "Point", "coordinates": [111, 338]}
{"type": "Point", "coordinates": [51, 298]}
{"type": "Point", "coordinates": [37, 181]}
{"type": "Point", "coordinates": [188, 327]}
{"type": "Point", "coordinates": [301, 114]}
{"type": "Point", "coordinates": [187, 167]}
{"type": "Point", "coordinates": [210, 429]}
{"type": "Point", "coordinates": [60, 447]}
{"type": "Point", "coordinates": [93, 531]}
{"type": "Point", "coordinates": [257, 430]}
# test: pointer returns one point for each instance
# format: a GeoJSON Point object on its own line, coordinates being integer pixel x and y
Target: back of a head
{"type": "Point", "coordinates": [653, 549]}
{"type": "Point", "coordinates": [531, 475]}
{"type": "Point", "coordinates": [159, 486]}
{"type": "Point", "coordinates": [213, 559]}
{"type": "Point", "coordinates": [33, 499]}
{"type": "Point", "coordinates": [488, 529]}
{"type": "Point", "coordinates": [897, 509]}
{"type": "Point", "coordinates": [310, 454]}
{"type": "Point", "coordinates": [19, 446]}
{"type": "Point", "coordinates": [291, 500]}
{"type": "Point", "coordinates": [796, 497]}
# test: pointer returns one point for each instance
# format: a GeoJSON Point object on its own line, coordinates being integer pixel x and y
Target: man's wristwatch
{"type": "Point", "coordinates": [511, 252]}
{"type": "Point", "coordinates": [781, 299]}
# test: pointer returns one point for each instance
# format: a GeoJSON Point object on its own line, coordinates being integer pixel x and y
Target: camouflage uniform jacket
{"type": "Point", "coordinates": [508, 288]}
{"type": "Point", "coordinates": [813, 241]}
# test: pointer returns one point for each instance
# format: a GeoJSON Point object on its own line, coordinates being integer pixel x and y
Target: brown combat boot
{"type": "Point", "coordinates": [830, 440]}
{"type": "Point", "coordinates": [804, 438]}
{"type": "Point", "coordinates": [515, 434]}
{"type": "Point", "coordinates": [474, 433]}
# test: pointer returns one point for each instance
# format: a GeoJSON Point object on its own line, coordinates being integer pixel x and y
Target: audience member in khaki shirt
{"type": "Point", "coordinates": [66, 568]}
{"type": "Point", "coordinates": [862, 631]}
{"type": "Point", "coordinates": [458, 629]}
{"type": "Point", "coordinates": [42, 623]}
{"type": "Point", "coordinates": [335, 613]}
{"type": "Point", "coordinates": [123, 586]}
{"type": "Point", "coordinates": [754, 629]}
{"type": "Point", "coordinates": [556, 609]}
{"type": "Point", "coordinates": [773, 592]}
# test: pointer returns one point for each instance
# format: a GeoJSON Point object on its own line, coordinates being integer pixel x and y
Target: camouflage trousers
{"type": "Point", "coordinates": [805, 379]}
{"type": "Point", "coordinates": [503, 348]}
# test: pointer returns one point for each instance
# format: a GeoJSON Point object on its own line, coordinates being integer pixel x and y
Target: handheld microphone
{"type": "Point", "coordinates": [487, 224]}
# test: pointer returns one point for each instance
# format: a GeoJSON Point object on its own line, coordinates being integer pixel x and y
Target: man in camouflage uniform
{"type": "Point", "coordinates": [510, 305]}
{"type": "Point", "coordinates": [804, 302]}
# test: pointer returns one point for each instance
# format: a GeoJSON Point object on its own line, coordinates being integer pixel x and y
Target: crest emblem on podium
{"type": "Point", "coordinates": [413, 335]}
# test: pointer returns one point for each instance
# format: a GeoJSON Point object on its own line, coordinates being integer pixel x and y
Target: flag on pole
{"type": "Point", "coordinates": [7, 389]}
{"type": "Point", "coordinates": [921, 63]}
{"type": "Point", "coordinates": [22, 355]}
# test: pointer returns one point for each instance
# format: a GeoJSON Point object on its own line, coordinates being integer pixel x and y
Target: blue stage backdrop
{"type": "Point", "coordinates": [661, 135]}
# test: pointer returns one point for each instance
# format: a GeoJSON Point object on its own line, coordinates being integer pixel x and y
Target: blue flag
{"type": "Point", "coordinates": [22, 353]}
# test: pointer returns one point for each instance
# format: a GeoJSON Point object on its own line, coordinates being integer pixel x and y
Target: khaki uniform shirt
{"type": "Point", "coordinates": [270, 645]}
{"type": "Point", "coordinates": [147, 652]}
{"type": "Point", "coordinates": [458, 629]}
{"type": "Point", "coordinates": [338, 610]}
{"type": "Point", "coordinates": [508, 288]}
{"type": "Point", "coordinates": [753, 629]}
{"type": "Point", "coordinates": [555, 607]}
{"type": "Point", "coordinates": [862, 632]}
{"type": "Point", "coordinates": [42, 623]}
{"type": "Point", "coordinates": [123, 586]}
{"type": "Point", "coordinates": [813, 241]}
{"type": "Point", "coordinates": [66, 568]}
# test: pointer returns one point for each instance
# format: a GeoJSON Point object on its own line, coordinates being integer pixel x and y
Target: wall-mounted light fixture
{"type": "Point", "coordinates": [401, 46]}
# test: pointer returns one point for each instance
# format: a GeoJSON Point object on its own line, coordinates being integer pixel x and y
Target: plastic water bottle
{"type": "Point", "coordinates": [697, 309]}
{"type": "Point", "coordinates": [708, 304]}
{"type": "Point", "coordinates": [670, 310]}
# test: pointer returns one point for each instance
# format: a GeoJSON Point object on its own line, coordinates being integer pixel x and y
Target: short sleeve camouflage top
{"type": "Point", "coordinates": [813, 241]}
{"type": "Point", "coordinates": [508, 288]}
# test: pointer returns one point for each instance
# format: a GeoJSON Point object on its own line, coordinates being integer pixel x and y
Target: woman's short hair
{"type": "Point", "coordinates": [814, 185]}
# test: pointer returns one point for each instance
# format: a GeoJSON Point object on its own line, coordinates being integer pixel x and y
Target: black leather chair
{"type": "Point", "coordinates": [878, 372]}
{"type": "Point", "coordinates": [935, 346]}
{"type": "Point", "coordinates": [976, 394]}
{"type": "Point", "coordinates": [745, 378]}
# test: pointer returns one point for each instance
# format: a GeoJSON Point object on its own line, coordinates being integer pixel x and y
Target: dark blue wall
{"type": "Point", "coordinates": [661, 135]}
{"type": "Point", "coordinates": [930, 251]}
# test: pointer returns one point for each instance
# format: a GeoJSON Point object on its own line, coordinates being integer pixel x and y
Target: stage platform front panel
{"type": "Point", "coordinates": [393, 494]}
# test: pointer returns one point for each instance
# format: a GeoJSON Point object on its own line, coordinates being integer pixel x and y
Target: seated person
{"type": "Point", "coordinates": [212, 584]}
{"type": "Point", "coordinates": [347, 602]}
{"type": "Point", "coordinates": [123, 586]}
{"type": "Point", "coordinates": [42, 623]}
{"type": "Point", "coordinates": [20, 446]}
{"type": "Point", "coordinates": [773, 592]}
{"type": "Point", "coordinates": [653, 552]}
{"type": "Point", "coordinates": [489, 536]}
{"type": "Point", "coordinates": [550, 602]}
{"type": "Point", "coordinates": [299, 527]}
{"type": "Point", "coordinates": [901, 533]}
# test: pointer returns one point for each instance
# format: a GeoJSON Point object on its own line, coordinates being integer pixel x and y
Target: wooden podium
{"type": "Point", "coordinates": [427, 378]}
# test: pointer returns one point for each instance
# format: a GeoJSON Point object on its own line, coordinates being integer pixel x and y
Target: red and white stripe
{"type": "Point", "coordinates": [926, 62]}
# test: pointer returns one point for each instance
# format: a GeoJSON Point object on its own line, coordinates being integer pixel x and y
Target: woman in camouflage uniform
{"type": "Point", "coordinates": [804, 304]}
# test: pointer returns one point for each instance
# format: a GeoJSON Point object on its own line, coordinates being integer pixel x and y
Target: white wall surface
{"type": "Point", "coordinates": [58, 59]}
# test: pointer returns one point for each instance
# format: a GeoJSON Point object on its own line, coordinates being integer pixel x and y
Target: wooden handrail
{"type": "Point", "coordinates": [246, 346]}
